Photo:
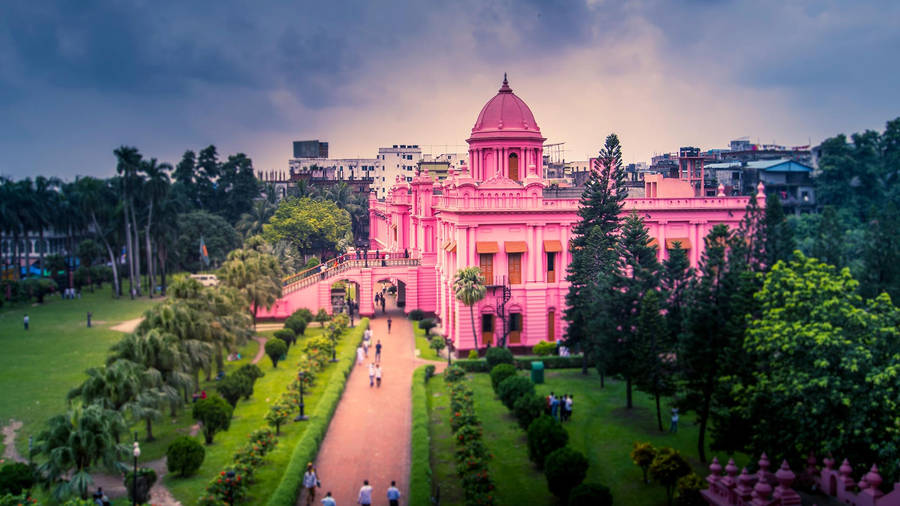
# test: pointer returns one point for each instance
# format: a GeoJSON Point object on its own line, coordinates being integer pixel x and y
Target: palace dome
{"type": "Point", "coordinates": [505, 115]}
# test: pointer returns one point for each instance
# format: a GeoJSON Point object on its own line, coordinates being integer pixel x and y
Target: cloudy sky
{"type": "Point", "coordinates": [79, 78]}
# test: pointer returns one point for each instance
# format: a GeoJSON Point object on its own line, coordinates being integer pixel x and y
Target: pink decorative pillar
{"type": "Point", "coordinates": [783, 491]}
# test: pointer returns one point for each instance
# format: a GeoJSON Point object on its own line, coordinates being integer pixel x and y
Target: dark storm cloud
{"type": "Point", "coordinates": [170, 76]}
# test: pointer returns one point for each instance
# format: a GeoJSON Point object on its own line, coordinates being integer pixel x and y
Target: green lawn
{"type": "Point", "coordinates": [40, 366]}
{"type": "Point", "coordinates": [249, 416]}
{"type": "Point", "coordinates": [443, 446]}
{"type": "Point", "coordinates": [422, 345]}
{"type": "Point", "coordinates": [601, 428]}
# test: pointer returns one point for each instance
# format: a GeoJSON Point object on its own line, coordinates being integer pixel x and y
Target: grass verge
{"type": "Point", "coordinates": [443, 445]}
{"type": "Point", "coordinates": [426, 352]}
{"type": "Point", "coordinates": [420, 467]}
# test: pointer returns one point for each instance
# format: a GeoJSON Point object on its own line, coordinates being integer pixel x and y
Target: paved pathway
{"type": "Point", "coordinates": [369, 436]}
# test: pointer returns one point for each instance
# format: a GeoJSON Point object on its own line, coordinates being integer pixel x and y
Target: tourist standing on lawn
{"type": "Point", "coordinates": [378, 352]}
{"type": "Point", "coordinates": [554, 407]}
{"type": "Point", "coordinates": [372, 374]}
{"type": "Point", "coordinates": [25, 321]}
{"type": "Point", "coordinates": [365, 494]}
{"type": "Point", "coordinates": [378, 375]}
{"type": "Point", "coordinates": [310, 482]}
{"type": "Point", "coordinates": [674, 427]}
{"type": "Point", "coordinates": [393, 494]}
{"type": "Point", "coordinates": [568, 407]}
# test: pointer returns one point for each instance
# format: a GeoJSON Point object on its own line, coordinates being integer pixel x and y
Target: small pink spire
{"type": "Point", "coordinates": [874, 480]}
{"type": "Point", "coordinates": [715, 469]}
{"type": "Point", "coordinates": [505, 87]}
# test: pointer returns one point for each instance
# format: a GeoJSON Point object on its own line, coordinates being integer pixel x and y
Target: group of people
{"type": "Point", "coordinates": [379, 300]}
{"type": "Point", "coordinates": [311, 483]}
{"type": "Point", "coordinates": [362, 353]}
{"type": "Point", "coordinates": [560, 407]}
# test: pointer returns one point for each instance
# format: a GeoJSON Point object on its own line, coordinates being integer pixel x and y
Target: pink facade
{"type": "Point", "coordinates": [496, 215]}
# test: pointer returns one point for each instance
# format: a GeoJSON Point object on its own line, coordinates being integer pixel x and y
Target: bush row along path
{"type": "Point", "coordinates": [369, 436]}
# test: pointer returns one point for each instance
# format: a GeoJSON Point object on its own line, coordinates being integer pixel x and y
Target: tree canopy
{"type": "Point", "coordinates": [311, 226]}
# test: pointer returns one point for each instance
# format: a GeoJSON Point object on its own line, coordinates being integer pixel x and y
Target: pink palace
{"type": "Point", "coordinates": [498, 214]}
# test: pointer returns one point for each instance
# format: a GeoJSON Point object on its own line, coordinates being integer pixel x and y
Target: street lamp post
{"type": "Point", "coordinates": [449, 348]}
{"type": "Point", "coordinates": [136, 451]}
{"type": "Point", "coordinates": [333, 347]}
{"type": "Point", "coordinates": [301, 417]}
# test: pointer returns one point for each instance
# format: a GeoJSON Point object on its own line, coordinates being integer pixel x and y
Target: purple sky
{"type": "Point", "coordinates": [78, 79]}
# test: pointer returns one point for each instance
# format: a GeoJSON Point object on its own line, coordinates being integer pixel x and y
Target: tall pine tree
{"type": "Point", "coordinates": [654, 351]}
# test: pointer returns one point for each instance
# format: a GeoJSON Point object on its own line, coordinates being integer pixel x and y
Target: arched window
{"type": "Point", "coordinates": [514, 167]}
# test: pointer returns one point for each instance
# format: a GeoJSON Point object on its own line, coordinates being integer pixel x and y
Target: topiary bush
{"type": "Point", "coordinates": [215, 413]}
{"type": "Point", "coordinates": [497, 356]}
{"type": "Point", "coordinates": [544, 348]}
{"type": "Point", "coordinates": [304, 313]}
{"type": "Point", "coordinates": [437, 343]}
{"type": "Point", "coordinates": [185, 456]}
{"type": "Point", "coordinates": [688, 491]}
{"type": "Point", "coordinates": [642, 454]}
{"type": "Point", "coordinates": [15, 478]}
{"type": "Point", "coordinates": [287, 335]}
{"type": "Point", "coordinates": [233, 387]}
{"type": "Point", "coordinates": [500, 373]}
{"type": "Point", "coordinates": [589, 494]}
{"type": "Point", "coordinates": [453, 374]}
{"type": "Point", "coordinates": [527, 408]}
{"type": "Point", "coordinates": [512, 388]}
{"type": "Point", "coordinates": [565, 469]}
{"type": "Point", "coordinates": [416, 315]}
{"type": "Point", "coordinates": [427, 324]}
{"type": "Point", "coordinates": [545, 435]}
{"type": "Point", "coordinates": [667, 468]}
{"type": "Point", "coordinates": [275, 349]}
{"type": "Point", "coordinates": [429, 372]}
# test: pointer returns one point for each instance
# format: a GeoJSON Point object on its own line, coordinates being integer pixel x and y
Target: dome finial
{"type": "Point", "coordinates": [505, 87]}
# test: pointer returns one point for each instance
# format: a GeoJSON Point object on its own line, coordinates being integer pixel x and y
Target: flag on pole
{"type": "Point", "coordinates": [204, 255]}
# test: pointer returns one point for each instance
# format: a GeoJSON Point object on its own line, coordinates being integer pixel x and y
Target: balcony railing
{"type": "Point", "coordinates": [342, 264]}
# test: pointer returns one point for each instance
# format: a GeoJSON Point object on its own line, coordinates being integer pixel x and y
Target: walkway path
{"type": "Point", "coordinates": [369, 436]}
{"type": "Point", "coordinates": [261, 352]}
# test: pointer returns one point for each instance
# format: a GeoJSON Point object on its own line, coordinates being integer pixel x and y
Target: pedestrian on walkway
{"type": "Point", "coordinates": [328, 500]}
{"type": "Point", "coordinates": [393, 494]}
{"type": "Point", "coordinates": [360, 354]}
{"type": "Point", "coordinates": [382, 307]}
{"type": "Point", "coordinates": [365, 345]}
{"type": "Point", "coordinates": [378, 375]}
{"type": "Point", "coordinates": [389, 325]}
{"type": "Point", "coordinates": [378, 352]}
{"type": "Point", "coordinates": [372, 374]}
{"type": "Point", "coordinates": [25, 321]}
{"type": "Point", "coordinates": [365, 494]}
{"type": "Point", "coordinates": [310, 482]}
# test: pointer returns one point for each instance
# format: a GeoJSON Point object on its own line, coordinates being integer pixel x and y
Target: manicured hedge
{"type": "Point", "coordinates": [420, 468]}
{"type": "Point", "coordinates": [308, 447]}
{"type": "Point", "coordinates": [551, 362]}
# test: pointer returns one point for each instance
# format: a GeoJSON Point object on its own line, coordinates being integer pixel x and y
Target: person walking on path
{"type": "Point", "coordinates": [25, 321]}
{"type": "Point", "coordinates": [389, 322]}
{"type": "Point", "coordinates": [393, 494]}
{"type": "Point", "coordinates": [378, 375]}
{"type": "Point", "coordinates": [365, 494]}
{"type": "Point", "coordinates": [328, 500]}
{"type": "Point", "coordinates": [372, 374]}
{"type": "Point", "coordinates": [674, 427]}
{"type": "Point", "coordinates": [310, 482]}
{"type": "Point", "coordinates": [360, 354]}
{"type": "Point", "coordinates": [378, 352]}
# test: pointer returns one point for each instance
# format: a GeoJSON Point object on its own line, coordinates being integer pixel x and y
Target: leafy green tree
{"type": "Point", "coordinates": [215, 414]}
{"type": "Point", "coordinates": [185, 456]}
{"type": "Point", "coordinates": [256, 275]}
{"type": "Point", "coordinates": [642, 454]}
{"type": "Point", "coordinates": [675, 276]}
{"type": "Point", "coordinates": [233, 387]}
{"type": "Point", "coordinates": [779, 238]}
{"type": "Point", "coordinates": [881, 253]}
{"type": "Point", "coordinates": [251, 222]}
{"type": "Point", "coordinates": [469, 288]}
{"type": "Point", "coordinates": [654, 353]}
{"type": "Point", "coordinates": [437, 344]}
{"type": "Point", "coordinates": [75, 441]}
{"type": "Point", "coordinates": [545, 434]}
{"type": "Point", "coordinates": [565, 469]}
{"type": "Point", "coordinates": [427, 324]}
{"type": "Point", "coordinates": [594, 261]}
{"type": "Point", "coordinates": [322, 316]}
{"type": "Point", "coordinates": [220, 238]}
{"type": "Point", "coordinates": [667, 468]}
{"type": "Point", "coordinates": [310, 226]}
{"type": "Point", "coordinates": [829, 361]}
{"type": "Point", "coordinates": [278, 414]}
{"type": "Point", "coordinates": [275, 349]}
{"type": "Point", "coordinates": [16, 477]}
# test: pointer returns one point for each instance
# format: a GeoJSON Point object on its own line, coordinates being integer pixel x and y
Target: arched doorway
{"type": "Point", "coordinates": [344, 296]}
{"type": "Point", "coordinates": [389, 293]}
{"type": "Point", "coordinates": [513, 167]}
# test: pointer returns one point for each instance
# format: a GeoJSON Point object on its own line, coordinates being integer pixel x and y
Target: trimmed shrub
{"type": "Point", "coordinates": [473, 355]}
{"type": "Point", "coordinates": [497, 356]}
{"type": "Point", "coordinates": [544, 348]}
{"type": "Point", "coordinates": [15, 477]}
{"type": "Point", "coordinates": [545, 435]}
{"type": "Point", "coordinates": [589, 494]}
{"type": "Point", "coordinates": [437, 343]}
{"type": "Point", "coordinates": [429, 372]}
{"type": "Point", "coordinates": [500, 373]}
{"type": "Point", "coordinates": [550, 362]}
{"type": "Point", "coordinates": [416, 315]}
{"type": "Point", "coordinates": [427, 324]}
{"type": "Point", "coordinates": [275, 349]}
{"type": "Point", "coordinates": [420, 468]}
{"type": "Point", "coordinates": [322, 316]}
{"type": "Point", "coordinates": [287, 335]}
{"type": "Point", "coordinates": [233, 387]}
{"type": "Point", "coordinates": [308, 446]}
{"type": "Point", "coordinates": [642, 454]}
{"type": "Point", "coordinates": [304, 313]}
{"type": "Point", "coordinates": [278, 414]}
{"type": "Point", "coordinates": [565, 469]}
{"type": "Point", "coordinates": [297, 324]}
{"type": "Point", "coordinates": [215, 413]}
{"type": "Point", "coordinates": [473, 365]}
{"type": "Point", "coordinates": [146, 477]}
{"type": "Point", "coordinates": [667, 468]}
{"type": "Point", "coordinates": [512, 388]}
{"type": "Point", "coordinates": [185, 456]}
{"type": "Point", "coordinates": [453, 374]}
{"type": "Point", "coordinates": [318, 343]}
{"type": "Point", "coordinates": [527, 408]}
{"type": "Point", "coordinates": [688, 491]}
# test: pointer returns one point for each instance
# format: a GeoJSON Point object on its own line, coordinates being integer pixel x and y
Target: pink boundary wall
{"type": "Point", "coordinates": [439, 227]}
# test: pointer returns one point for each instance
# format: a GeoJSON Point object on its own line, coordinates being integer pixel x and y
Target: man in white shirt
{"type": "Point", "coordinates": [328, 500]}
{"type": "Point", "coordinates": [365, 494]}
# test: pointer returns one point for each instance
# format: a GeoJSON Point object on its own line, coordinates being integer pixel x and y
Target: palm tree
{"type": "Point", "coordinates": [25, 204]}
{"type": "Point", "coordinates": [468, 286]}
{"type": "Point", "coordinates": [73, 442]}
{"type": "Point", "coordinates": [44, 210]}
{"type": "Point", "coordinates": [251, 223]}
{"type": "Point", "coordinates": [257, 275]}
{"type": "Point", "coordinates": [155, 189]}
{"type": "Point", "coordinates": [95, 199]}
{"type": "Point", "coordinates": [127, 166]}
